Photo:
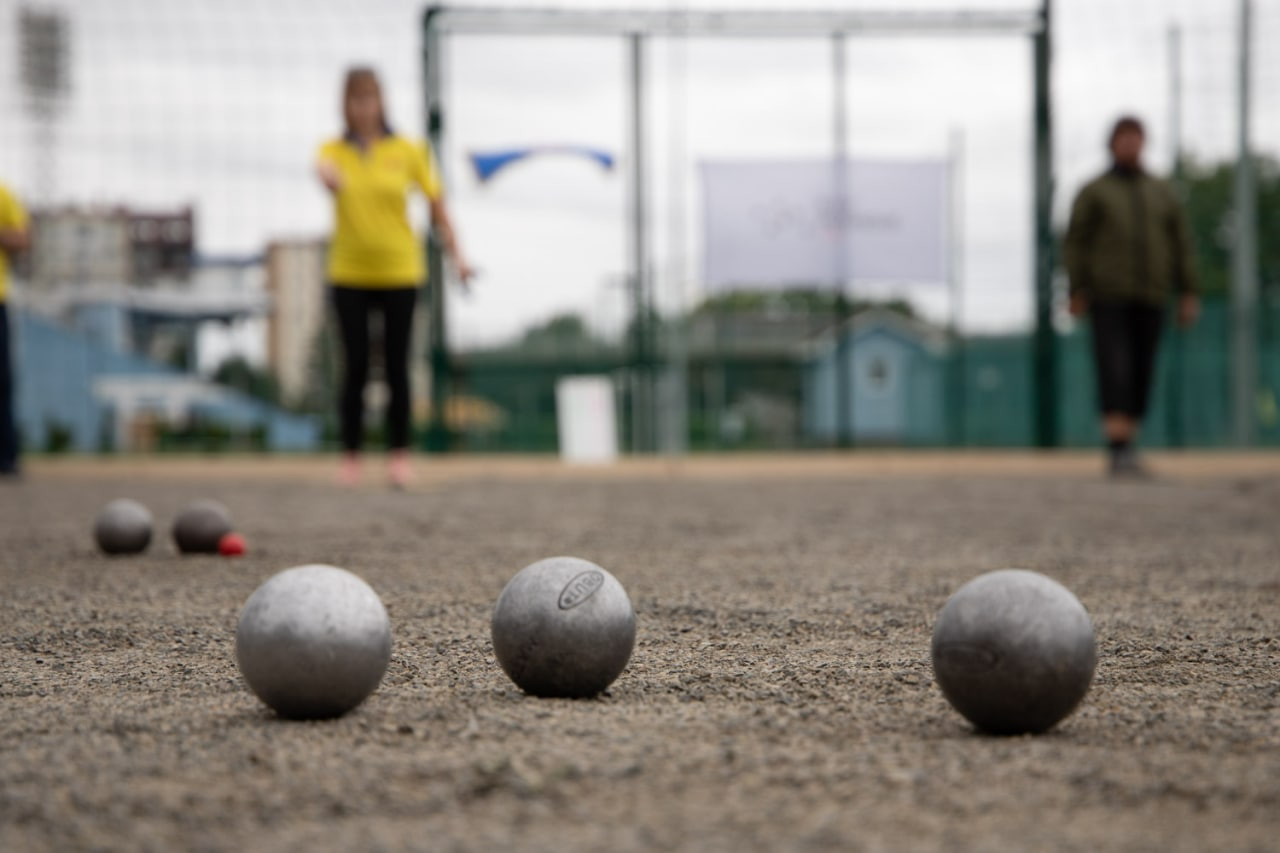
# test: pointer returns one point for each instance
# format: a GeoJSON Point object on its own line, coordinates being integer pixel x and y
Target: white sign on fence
{"type": "Point", "coordinates": [586, 420]}
{"type": "Point", "coordinates": [776, 223]}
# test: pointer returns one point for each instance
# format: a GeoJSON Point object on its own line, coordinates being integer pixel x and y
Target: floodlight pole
{"type": "Point", "coordinates": [437, 438]}
{"type": "Point", "coordinates": [1045, 349]}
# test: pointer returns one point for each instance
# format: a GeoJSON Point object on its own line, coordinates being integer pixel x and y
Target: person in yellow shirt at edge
{"type": "Point", "coordinates": [14, 237]}
{"type": "Point", "coordinates": [375, 260]}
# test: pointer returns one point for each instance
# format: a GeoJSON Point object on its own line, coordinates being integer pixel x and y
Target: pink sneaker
{"type": "Point", "coordinates": [349, 473]}
{"type": "Point", "coordinates": [400, 469]}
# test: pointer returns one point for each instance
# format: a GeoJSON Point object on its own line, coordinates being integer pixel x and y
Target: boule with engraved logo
{"type": "Point", "coordinates": [563, 627]}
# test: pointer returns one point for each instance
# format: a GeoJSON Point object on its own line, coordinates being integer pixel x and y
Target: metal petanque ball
{"type": "Point", "coordinates": [123, 526]}
{"type": "Point", "coordinates": [200, 527]}
{"type": "Point", "coordinates": [1014, 652]}
{"type": "Point", "coordinates": [563, 627]}
{"type": "Point", "coordinates": [313, 642]}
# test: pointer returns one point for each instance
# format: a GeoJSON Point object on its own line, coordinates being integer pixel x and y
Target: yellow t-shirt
{"type": "Point", "coordinates": [373, 244]}
{"type": "Point", "coordinates": [12, 215]}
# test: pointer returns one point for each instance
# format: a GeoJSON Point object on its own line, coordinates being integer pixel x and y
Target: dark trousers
{"type": "Point", "coordinates": [1126, 337]}
{"type": "Point", "coordinates": [353, 306]}
{"type": "Point", "coordinates": [8, 429]}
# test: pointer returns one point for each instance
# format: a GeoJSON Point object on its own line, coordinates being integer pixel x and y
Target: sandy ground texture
{"type": "Point", "coordinates": [780, 695]}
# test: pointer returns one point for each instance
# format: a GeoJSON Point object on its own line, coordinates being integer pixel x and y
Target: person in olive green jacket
{"type": "Point", "coordinates": [1128, 252]}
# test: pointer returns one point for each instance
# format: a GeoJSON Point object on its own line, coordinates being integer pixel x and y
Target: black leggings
{"type": "Point", "coordinates": [1126, 336]}
{"type": "Point", "coordinates": [353, 305]}
{"type": "Point", "coordinates": [8, 431]}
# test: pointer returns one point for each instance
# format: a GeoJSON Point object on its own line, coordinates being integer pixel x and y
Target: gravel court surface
{"type": "Point", "coordinates": [780, 695]}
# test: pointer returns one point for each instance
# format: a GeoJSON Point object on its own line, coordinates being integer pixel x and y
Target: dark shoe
{"type": "Point", "coordinates": [1127, 465]}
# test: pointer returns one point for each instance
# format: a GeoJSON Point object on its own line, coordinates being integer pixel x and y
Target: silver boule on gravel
{"type": "Point", "coordinates": [200, 526]}
{"type": "Point", "coordinates": [123, 526]}
{"type": "Point", "coordinates": [313, 642]}
{"type": "Point", "coordinates": [563, 627]}
{"type": "Point", "coordinates": [1014, 652]}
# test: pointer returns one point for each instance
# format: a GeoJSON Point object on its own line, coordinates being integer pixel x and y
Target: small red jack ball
{"type": "Point", "coordinates": [231, 545]}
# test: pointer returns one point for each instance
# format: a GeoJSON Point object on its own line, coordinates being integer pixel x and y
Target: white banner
{"type": "Point", "coordinates": [775, 223]}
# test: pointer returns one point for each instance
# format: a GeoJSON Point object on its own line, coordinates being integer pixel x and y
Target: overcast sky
{"type": "Point", "coordinates": [221, 105]}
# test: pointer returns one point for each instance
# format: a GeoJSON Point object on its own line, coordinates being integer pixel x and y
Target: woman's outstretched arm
{"type": "Point", "coordinates": [442, 223]}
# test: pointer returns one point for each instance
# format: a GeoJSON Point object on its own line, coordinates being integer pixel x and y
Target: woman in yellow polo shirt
{"type": "Point", "coordinates": [375, 260]}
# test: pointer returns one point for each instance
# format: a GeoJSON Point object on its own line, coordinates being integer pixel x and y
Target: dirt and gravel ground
{"type": "Point", "coordinates": [780, 696]}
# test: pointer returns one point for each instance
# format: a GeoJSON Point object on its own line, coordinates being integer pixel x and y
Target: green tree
{"type": "Point", "coordinates": [178, 356]}
{"type": "Point", "coordinates": [255, 382]}
{"type": "Point", "coordinates": [800, 301]}
{"type": "Point", "coordinates": [1209, 191]}
{"type": "Point", "coordinates": [655, 328]}
{"type": "Point", "coordinates": [319, 390]}
{"type": "Point", "coordinates": [562, 332]}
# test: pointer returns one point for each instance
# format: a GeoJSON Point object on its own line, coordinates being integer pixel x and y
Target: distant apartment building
{"type": "Point", "coordinates": [116, 312]}
{"type": "Point", "coordinates": [296, 288]}
{"type": "Point", "coordinates": [163, 244]}
{"type": "Point", "coordinates": [74, 246]}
